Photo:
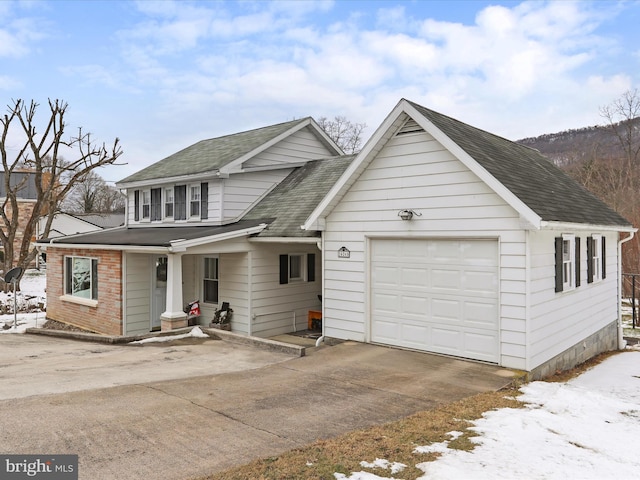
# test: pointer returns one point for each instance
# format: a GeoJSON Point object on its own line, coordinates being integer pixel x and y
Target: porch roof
{"type": "Point", "coordinates": [158, 236]}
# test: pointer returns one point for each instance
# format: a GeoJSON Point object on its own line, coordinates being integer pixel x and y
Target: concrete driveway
{"type": "Point", "coordinates": [175, 420]}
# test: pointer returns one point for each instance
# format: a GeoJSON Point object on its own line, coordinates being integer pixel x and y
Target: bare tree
{"type": "Point", "coordinates": [40, 155]}
{"type": "Point", "coordinates": [94, 195]}
{"type": "Point", "coordinates": [346, 134]}
{"type": "Point", "coordinates": [623, 121]}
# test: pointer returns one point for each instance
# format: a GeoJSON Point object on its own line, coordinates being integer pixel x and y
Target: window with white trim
{"type": "Point", "coordinates": [194, 201]}
{"type": "Point", "coordinates": [180, 202]}
{"type": "Point", "coordinates": [81, 277]}
{"type": "Point", "coordinates": [297, 267]}
{"type": "Point", "coordinates": [596, 253]}
{"type": "Point", "coordinates": [146, 204]}
{"type": "Point", "coordinates": [567, 262]}
{"type": "Point", "coordinates": [211, 280]}
{"type": "Point", "coordinates": [168, 202]}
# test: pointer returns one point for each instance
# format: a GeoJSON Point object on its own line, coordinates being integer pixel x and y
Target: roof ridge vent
{"type": "Point", "coordinates": [409, 126]}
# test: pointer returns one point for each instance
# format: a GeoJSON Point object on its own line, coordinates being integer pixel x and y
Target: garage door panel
{"type": "Point", "coordinates": [446, 340]}
{"type": "Point", "coordinates": [414, 277]}
{"type": "Point", "coordinates": [387, 330]}
{"type": "Point", "coordinates": [415, 305]}
{"type": "Point", "coordinates": [481, 346]}
{"type": "Point", "coordinates": [385, 303]}
{"type": "Point", "coordinates": [414, 334]}
{"type": "Point", "coordinates": [445, 280]}
{"type": "Point", "coordinates": [443, 309]}
{"type": "Point", "coordinates": [441, 296]}
{"type": "Point", "coordinates": [386, 276]}
{"type": "Point", "coordinates": [476, 282]}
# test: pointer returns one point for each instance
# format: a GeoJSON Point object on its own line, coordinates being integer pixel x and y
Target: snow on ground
{"type": "Point", "coordinates": [28, 299]}
{"type": "Point", "coordinates": [195, 332]}
{"type": "Point", "coordinates": [586, 428]}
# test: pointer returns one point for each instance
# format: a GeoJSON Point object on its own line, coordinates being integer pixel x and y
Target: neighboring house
{"type": "Point", "coordinates": [26, 199]}
{"type": "Point", "coordinates": [72, 223]}
{"type": "Point", "coordinates": [437, 237]}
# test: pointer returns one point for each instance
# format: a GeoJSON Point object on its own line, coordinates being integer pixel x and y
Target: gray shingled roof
{"type": "Point", "coordinates": [102, 220]}
{"type": "Point", "coordinates": [292, 201]}
{"type": "Point", "coordinates": [533, 178]}
{"type": "Point", "coordinates": [152, 236]}
{"type": "Point", "coordinates": [211, 155]}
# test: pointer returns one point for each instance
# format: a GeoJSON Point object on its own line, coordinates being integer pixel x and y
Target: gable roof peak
{"type": "Point", "coordinates": [211, 155]}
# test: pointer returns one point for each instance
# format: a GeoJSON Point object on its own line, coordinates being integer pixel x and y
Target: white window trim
{"type": "Point", "coordinates": [70, 297]}
{"type": "Point", "coordinates": [597, 257]}
{"type": "Point", "coordinates": [191, 200]}
{"type": "Point", "coordinates": [569, 266]}
{"type": "Point", "coordinates": [216, 257]}
{"type": "Point", "coordinates": [147, 194]}
{"type": "Point", "coordinates": [165, 202]}
{"type": "Point", "coordinates": [303, 268]}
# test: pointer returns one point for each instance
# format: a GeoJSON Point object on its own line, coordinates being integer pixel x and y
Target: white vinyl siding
{"type": "Point", "coordinates": [280, 308]}
{"type": "Point", "coordinates": [137, 294]}
{"type": "Point", "coordinates": [241, 191]}
{"type": "Point", "coordinates": [559, 321]}
{"type": "Point", "coordinates": [301, 145]}
{"type": "Point", "coordinates": [415, 171]}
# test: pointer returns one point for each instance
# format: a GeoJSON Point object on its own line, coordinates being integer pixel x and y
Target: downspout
{"type": "Point", "coordinates": [622, 343]}
{"type": "Point", "coordinates": [320, 245]}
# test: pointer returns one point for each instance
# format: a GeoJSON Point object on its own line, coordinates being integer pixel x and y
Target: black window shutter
{"type": "Point", "coordinates": [577, 261]}
{"type": "Point", "coordinates": [311, 267]}
{"type": "Point", "coordinates": [604, 257]}
{"type": "Point", "coordinates": [559, 280]}
{"type": "Point", "coordinates": [204, 201]}
{"type": "Point", "coordinates": [590, 253]}
{"type": "Point", "coordinates": [284, 269]}
{"type": "Point", "coordinates": [136, 205]}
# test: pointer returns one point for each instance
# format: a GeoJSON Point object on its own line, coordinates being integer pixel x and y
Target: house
{"type": "Point", "coordinates": [23, 182]}
{"type": "Point", "coordinates": [445, 238]}
{"type": "Point", "coordinates": [437, 236]}
{"type": "Point", "coordinates": [71, 223]}
{"type": "Point", "coordinates": [205, 224]}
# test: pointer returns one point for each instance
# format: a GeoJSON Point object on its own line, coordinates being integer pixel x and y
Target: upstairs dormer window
{"type": "Point", "coordinates": [168, 202]}
{"type": "Point", "coordinates": [156, 204]}
{"type": "Point", "coordinates": [194, 201]}
{"type": "Point", "coordinates": [180, 202]}
{"type": "Point", "coordinates": [146, 204]}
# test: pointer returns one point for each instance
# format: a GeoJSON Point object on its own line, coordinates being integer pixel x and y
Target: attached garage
{"type": "Point", "coordinates": [436, 295]}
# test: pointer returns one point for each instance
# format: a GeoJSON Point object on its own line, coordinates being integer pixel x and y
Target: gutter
{"type": "Point", "coordinates": [622, 343]}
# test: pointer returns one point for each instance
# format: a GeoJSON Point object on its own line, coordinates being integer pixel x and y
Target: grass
{"type": "Point", "coordinates": [394, 441]}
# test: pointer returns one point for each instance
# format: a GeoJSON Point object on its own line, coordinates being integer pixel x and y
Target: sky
{"type": "Point", "coordinates": [163, 75]}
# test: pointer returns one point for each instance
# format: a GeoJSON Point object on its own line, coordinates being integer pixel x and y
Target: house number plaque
{"type": "Point", "coordinates": [344, 252]}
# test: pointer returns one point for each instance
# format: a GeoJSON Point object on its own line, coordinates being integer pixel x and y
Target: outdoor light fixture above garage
{"type": "Point", "coordinates": [408, 214]}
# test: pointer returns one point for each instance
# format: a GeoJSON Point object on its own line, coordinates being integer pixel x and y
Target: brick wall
{"type": "Point", "coordinates": [106, 317]}
{"type": "Point", "coordinates": [25, 210]}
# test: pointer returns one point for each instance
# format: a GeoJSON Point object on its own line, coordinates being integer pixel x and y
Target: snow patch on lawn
{"type": "Point", "coordinates": [584, 428]}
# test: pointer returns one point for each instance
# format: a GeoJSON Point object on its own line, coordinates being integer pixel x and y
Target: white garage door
{"type": "Point", "coordinates": [436, 295]}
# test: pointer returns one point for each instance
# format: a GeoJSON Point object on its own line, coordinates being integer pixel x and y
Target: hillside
{"type": "Point", "coordinates": [567, 147]}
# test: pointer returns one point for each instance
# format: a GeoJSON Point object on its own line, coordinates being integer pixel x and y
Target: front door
{"type": "Point", "coordinates": [158, 290]}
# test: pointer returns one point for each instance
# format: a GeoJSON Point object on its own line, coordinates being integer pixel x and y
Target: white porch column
{"type": "Point", "coordinates": [174, 316]}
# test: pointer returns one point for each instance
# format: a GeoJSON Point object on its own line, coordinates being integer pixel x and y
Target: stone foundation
{"type": "Point", "coordinates": [604, 340]}
{"type": "Point", "coordinates": [173, 323]}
